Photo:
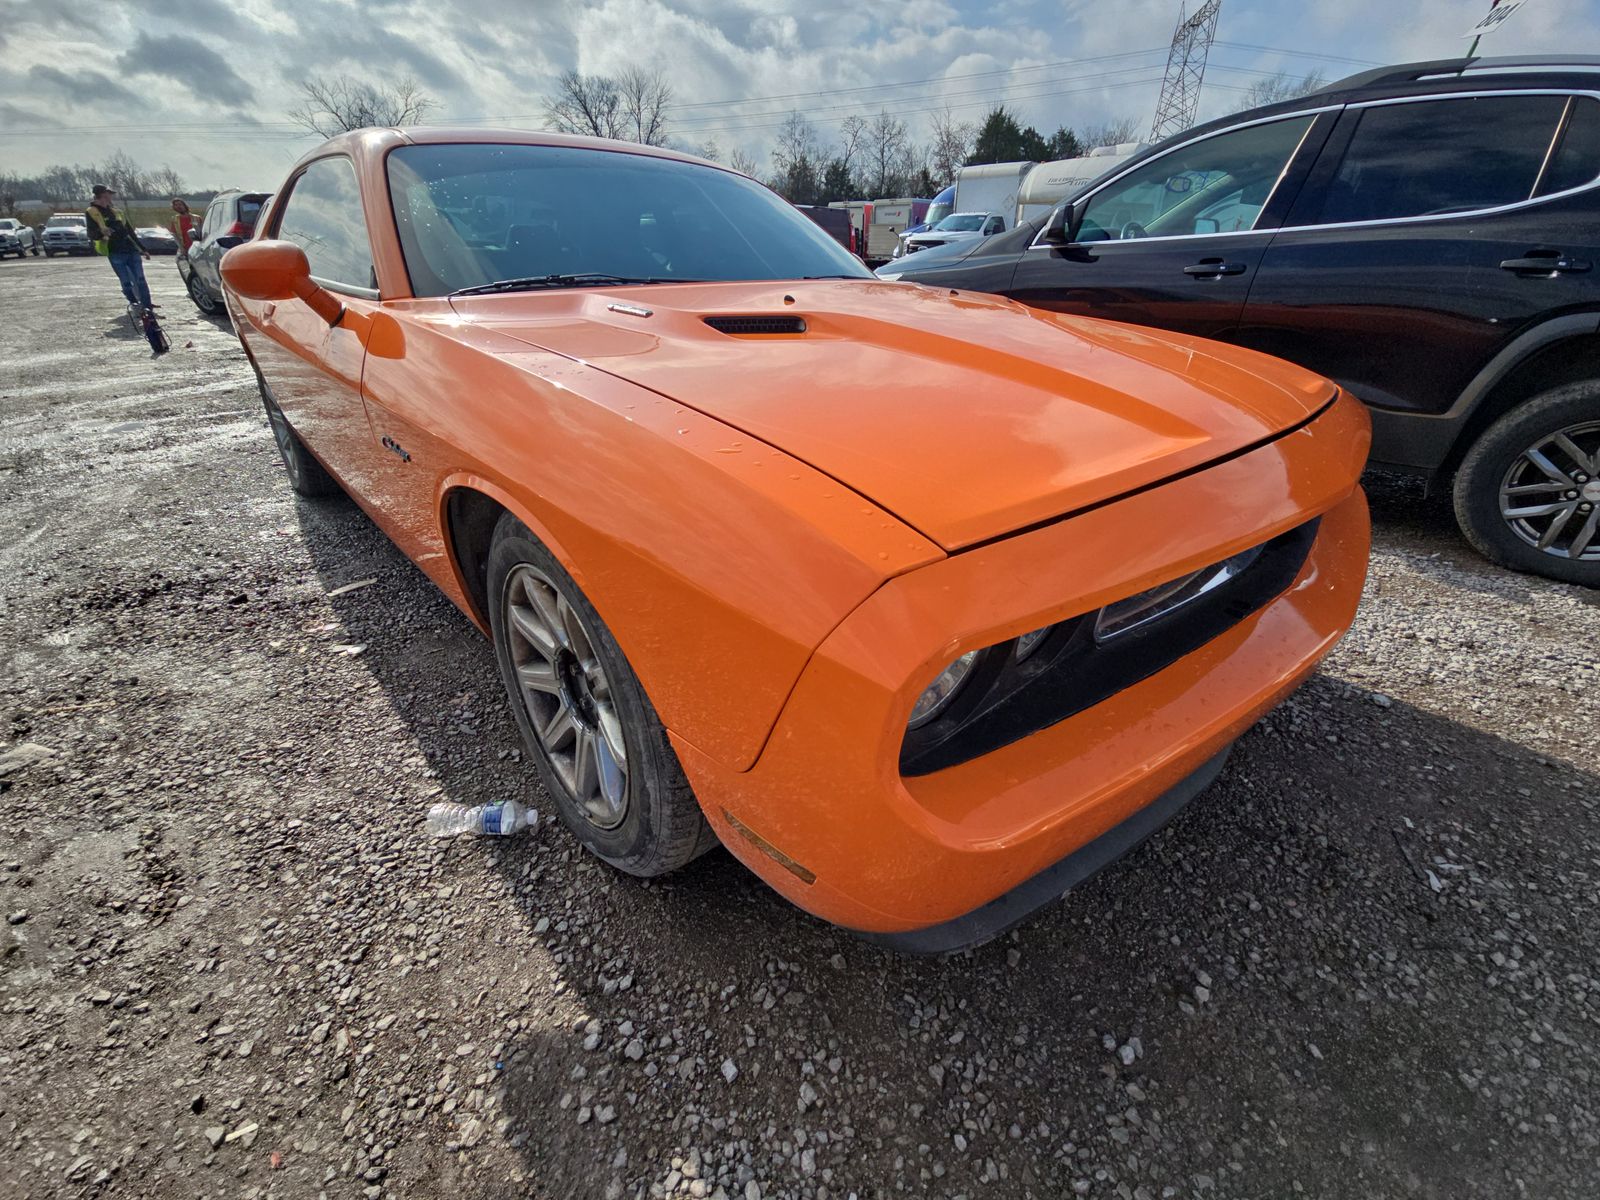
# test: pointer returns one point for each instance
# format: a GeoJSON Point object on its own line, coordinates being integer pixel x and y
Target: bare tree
{"type": "Point", "coordinates": [887, 151]}
{"type": "Point", "coordinates": [644, 97]}
{"type": "Point", "coordinates": [952, 142]}
{"type": "Point", "coordinates": [709, 149]}
{"type": "Point", "coordinates": [330, 106]}
{"type": "Point", "coordinates": [166, 182]}
{"type": "Point", "coordinates": [852, 133]}
{"type": "Point", "coordinates": [1279, 87]}
{"type": "Point", "coordinates": [796, 142]}
{"type": "Point", "coordinates": [743, 163]}
{"type": "Point", "coordinates": [585, 104]}
{"type": "Point", "coordinates": [1109, 133]}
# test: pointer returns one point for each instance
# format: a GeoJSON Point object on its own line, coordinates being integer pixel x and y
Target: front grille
{"type": "Point", "coordinates": [748, 325]}
{"type": "Point", "coordinates": [1073, 669]}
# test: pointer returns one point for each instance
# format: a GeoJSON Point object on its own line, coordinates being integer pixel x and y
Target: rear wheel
{"type": "Point", "coordinates": [584, 715]}
{"type": "Point", "coordinates": [203, 300]}
{"type": "Point", "coordinates": [307, 476]}
{"type": "Point", "coordinates": [1528, 493]}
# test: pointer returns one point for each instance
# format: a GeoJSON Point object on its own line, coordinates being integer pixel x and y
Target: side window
{"type": "Point", "coordinates": [994, 225]}
{"type": "Point", "coordinates": [1577, 157]}
{"type": "Point", "coordinates": [1433, 157]}
{"type": "Point", "coordinates": [210, 221]}
{"type": "Point", "coordinates": [323, 217]}
{"type": "Point", "coordinates": [1217, 185]}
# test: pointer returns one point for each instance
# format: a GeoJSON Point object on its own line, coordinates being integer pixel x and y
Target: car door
{"type": "Point", "coordinates": [1396, 272]}
{"type": "Point", "coordinates": [1175, 241]}
{"type": "Point", "coordinates": [313, 368]}
{"type": "Point", "coordinates": [204, 257]}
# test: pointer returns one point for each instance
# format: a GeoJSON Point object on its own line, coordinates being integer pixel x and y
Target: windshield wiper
{"type": "Point", "coordinates": [531, 282]}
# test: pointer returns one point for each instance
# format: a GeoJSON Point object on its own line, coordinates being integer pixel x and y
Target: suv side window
{"type": "Point", "coordinates": [209, 223]}
{"type": "Point", "coordinates": [323, 216]}
{"type": "Point", "coordinates": [1433, 157]}
{"type": "Point", "coordinates": [1577, 157]}
{"type": "Point", "coordinates": [1217, 185]}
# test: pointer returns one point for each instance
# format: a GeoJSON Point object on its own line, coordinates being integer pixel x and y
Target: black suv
{"type": "Point", "coordinates": [1426, 235]}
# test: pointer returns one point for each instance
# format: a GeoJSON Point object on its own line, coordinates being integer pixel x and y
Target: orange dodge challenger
{"type": "Point", "coordinates": [927, 605]}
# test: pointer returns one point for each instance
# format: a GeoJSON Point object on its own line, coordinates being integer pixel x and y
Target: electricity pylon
{"type": "Point", "coordinates": [1186, 70]}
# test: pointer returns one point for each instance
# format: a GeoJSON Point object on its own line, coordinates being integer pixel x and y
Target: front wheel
{"type": "Point", "coordinates": [584, 715]}
{"type": "Point", "coordinates": [1528, 492]}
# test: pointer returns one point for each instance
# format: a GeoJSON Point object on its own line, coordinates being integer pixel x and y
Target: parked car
{"type": "Point", "coordinates": [1427, 235]}
{"type": "Point", "coordinates": [156, 240]}
{"type": "Point", "coordinates": [17, 237]}
{"type": "Point", "coordinates": [230, 219]}
{"type": "Point", "coordinates": [925, 605]}
{"type": "Point", "coordinates": [67, 233]}
{"type": "Point", "coordinates": [957, 227]}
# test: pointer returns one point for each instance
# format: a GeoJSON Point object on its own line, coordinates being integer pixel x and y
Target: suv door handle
{"type": "Point", "coordinates": [1214, 268]}
{"type": "Point", "coordinates": [1544, 262]}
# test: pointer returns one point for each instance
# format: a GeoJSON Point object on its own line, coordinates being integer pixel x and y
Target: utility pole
{"type": "Point", "coordinates": [1186, 70]}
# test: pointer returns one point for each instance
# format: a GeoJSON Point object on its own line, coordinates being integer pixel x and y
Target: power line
{"type": "Point", "coordinates": [1338, 58]}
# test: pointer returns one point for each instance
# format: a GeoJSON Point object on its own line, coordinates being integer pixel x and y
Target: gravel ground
{"type": "Point", "coordinates": [1364, 964]}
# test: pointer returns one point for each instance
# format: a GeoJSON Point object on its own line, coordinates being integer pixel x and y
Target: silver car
{"type": "Point", "coordinates": [17, 237]}
{"type": "Point", "coordinates": [229, 220]}
{"type": "Point", "coordinates": [67, 233]}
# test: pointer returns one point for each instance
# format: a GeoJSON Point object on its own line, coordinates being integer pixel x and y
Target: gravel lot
{"type": "Point", "coordinates": [1365, 964]}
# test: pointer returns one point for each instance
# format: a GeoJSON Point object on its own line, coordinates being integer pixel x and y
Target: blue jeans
{"type": "Point", "coordinates": [130, 272]}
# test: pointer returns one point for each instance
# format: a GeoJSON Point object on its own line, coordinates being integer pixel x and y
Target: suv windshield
{"type": "Point", "coordinates": [469, 215]}
{"type": "Point", "coordinates": [961, 223]}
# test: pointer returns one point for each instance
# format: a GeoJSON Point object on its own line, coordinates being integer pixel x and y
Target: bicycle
{"type": "Point", "coordinates": [144, 321]}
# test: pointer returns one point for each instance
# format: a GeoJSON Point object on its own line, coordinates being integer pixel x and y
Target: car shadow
{"type": "Point", "coordinates": [1311, 939]}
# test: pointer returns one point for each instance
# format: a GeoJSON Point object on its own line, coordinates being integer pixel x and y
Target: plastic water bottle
{"type": "Point", "coordinates": [486, 820]}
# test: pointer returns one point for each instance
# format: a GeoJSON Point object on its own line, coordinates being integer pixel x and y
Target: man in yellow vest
{"type": "Point", "coordinates": [114, 237]}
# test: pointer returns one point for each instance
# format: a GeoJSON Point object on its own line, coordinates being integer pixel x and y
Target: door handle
{"type": "Point", "coordinates": [1545, 262]}
{"type": "Point", "coordinates": [1213, 268]}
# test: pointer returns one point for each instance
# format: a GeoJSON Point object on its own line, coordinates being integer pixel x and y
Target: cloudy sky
{"type": "Point", "coordinates": [204, 86]}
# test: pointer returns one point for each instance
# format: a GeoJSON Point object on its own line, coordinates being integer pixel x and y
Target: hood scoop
{"type": "Point", "coordinates": [744, 326]}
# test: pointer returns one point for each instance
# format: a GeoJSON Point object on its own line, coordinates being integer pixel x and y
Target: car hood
{"type": "Point", "coordinates": [965, 415]}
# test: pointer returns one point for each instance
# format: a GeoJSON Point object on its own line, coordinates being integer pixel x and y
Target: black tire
{"type": "Point", "coordinates": [1490, 462]}
{"type": "Point", "coordinates": [661, 827]}
{"type": "Point", "coordinates": [203, 300]}
{"type": "Point", "coordinates": [307, 476]}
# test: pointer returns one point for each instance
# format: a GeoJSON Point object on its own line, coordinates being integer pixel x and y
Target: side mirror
{"type": "Point", "coordinates": [275, 270]}
{"type": "Point", "coordinates": [1059, 230]}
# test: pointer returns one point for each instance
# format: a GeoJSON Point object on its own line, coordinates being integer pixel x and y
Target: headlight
{"type": "Point", "coordinates": [942, 690]}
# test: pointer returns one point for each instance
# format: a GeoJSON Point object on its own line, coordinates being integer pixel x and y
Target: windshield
{"type": "Point", "coordinates": [66, 221]}
{"type": "Point", "coordinates": [961, 223]}
{"type": "Point", "coordinates": [10, 223]}
{"type": "Point", "coordinates": [469, 215]}
{"type": "Point", "coordinates": [937, 213]}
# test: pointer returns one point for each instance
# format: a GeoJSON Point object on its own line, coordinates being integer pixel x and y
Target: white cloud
{"type": "Point", "coordinates": [485, 59]}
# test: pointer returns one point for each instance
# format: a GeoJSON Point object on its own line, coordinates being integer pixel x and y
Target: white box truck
{"type": "Point", "coordinates": [991, 188]}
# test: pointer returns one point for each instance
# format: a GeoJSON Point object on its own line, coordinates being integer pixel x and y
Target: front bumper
{"type": "Point", "coordinates": [825, 816]}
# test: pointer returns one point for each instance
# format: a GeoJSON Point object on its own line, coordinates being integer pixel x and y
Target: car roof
{"type": "Point", "coordinates": [379, 140]}
{"type": "Point", "coordinates": [1437, 77]}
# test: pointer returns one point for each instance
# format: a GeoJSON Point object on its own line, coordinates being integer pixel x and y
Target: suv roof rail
{"type": "Point", "coordinates": [1410, 72]}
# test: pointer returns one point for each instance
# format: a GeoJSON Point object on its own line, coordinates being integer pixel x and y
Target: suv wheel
{"type": "Point", "coordinates": [202, 298]}
{"type": "Point", "coordinates": [1528, 493]}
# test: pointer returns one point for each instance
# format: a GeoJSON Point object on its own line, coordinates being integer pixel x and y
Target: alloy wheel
{"type": "Point", "coordinates": [567, 695]}
{"type": "Point", "coordinates": [1550, 496]}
